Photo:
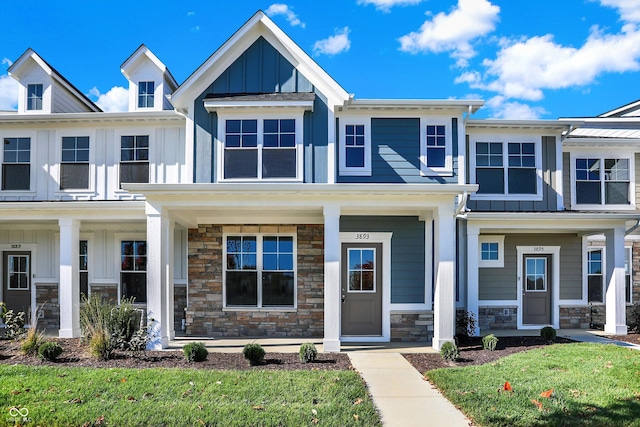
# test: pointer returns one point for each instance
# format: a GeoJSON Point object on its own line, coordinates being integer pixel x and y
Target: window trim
{"type": "Point", "coordinates": [343, 169]}
{"type": "Point", "coordinates": [505, 140]}
{"type": "Point", "coordinates": [601, 155]}
{"type": "Point", "coordinates": [499, 263]}
{"type": "Point", "coordinates": [125, 237]}
{"type": "Point", "coordinates": [117, 147]}
{"type": "Point", "coordinates": [153, 95]}
{"type": "Point", "coordinates": [57, 169]}
{"type": "Point", "coordinates": [628, 250]}
{"type": "Point", "coordinates": [260, 117]}
{"type": "Point", "coordinates": [27, 99]}
{"type": "Point", "coordinates": [259, 270]}
{"type": "Point", "coordinates": [32, 137]}
{"type": "Point", "coordinates": [447, 169]}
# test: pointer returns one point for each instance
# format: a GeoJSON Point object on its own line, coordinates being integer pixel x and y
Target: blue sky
{"type": "Point", "coordinates": [526, 58]}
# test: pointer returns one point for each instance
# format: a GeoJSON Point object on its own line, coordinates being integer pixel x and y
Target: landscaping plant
{"type": "Point", "coordinates": [32, 341]}
{"type": "Point", "coordinates": [195, 352]}
{"type": "Point", "coordinates": [308, 352]}
{"type": "Point", "coordinates": [254, 353]}
{"type": "Point", "coordinates": [49, 351]}
{"type": "Point", "coordinates": [13, 324]}
{"type": "Point", "coordinates": [489, 342]}
{"type": "Point", "coordinates": [634, 319]}
{"type": "Point", "coordinates": [548, 334]}
{"type": "Point", "coordinates": [449, 351]}
{"type": "Point", "coordinates": [466, 324]}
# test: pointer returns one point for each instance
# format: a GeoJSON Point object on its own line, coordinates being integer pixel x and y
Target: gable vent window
{"type": "Point", "coordinates": [74, 168]}
{"type": "Point", "coordinates": [134, 159]}
{"type": "Point", "coordinates": [16, 164]}
{"type": "Point", "coordinates": [34, 96]}
{"type": "Point", "coordinates": [145, 94]}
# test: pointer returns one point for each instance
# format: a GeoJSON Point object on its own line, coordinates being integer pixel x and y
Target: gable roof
{"type": "Point", "coordinates": [258, 25]}
{"type": "Point", "coordinates": [630, 110]}
{"type": "Point", "coordinates": [144, 52]}
{"type": "Point", "coordinates": [21, 65]}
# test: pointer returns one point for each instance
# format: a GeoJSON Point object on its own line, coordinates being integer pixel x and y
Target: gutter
{"type": "Point", "coordinates": [462, 205]}
{"type": "Point", "coordinates": [633, 228]}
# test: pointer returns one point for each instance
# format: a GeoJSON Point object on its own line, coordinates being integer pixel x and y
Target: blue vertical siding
{"type": "Point", "coordinates": [262, 69]}
{"type": "Point", "coordinates": [407, 252]}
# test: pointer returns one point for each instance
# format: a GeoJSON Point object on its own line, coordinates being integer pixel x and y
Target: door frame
{"type": "Point", "coordinates": [364, 238]}
{"type": "Point", "coordinates": [554, 251]}
{"type": "Point", "coordinates": [24, 247]}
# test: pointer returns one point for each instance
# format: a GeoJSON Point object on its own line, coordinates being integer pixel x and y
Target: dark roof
{"type": "Point", "coordinates": [266, 97]}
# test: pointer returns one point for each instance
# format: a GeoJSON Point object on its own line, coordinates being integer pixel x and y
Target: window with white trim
{"type": "Point", "coordinates": [34, 96]}
{"type": "Point", "coordinates": [601, 181]}
{"type": "Point", "coordinates": [263, 148]}
{"type": "Point", "coordinates": [134, 159]}
{"type": "Point", "coordinates": [491, 251]}
{"type": "Point", "coordinates": [133, 270]}
{"type": "Point", "coordinates": [507, 170]}
{"type": "Point", "coordinates": [595, 278]}
{"type": "Point", "coordinates": [74, 167]}
{"type": "Point", "coordinates": [145, 94]}
{"type": "Point", "coordinates": [435, 148]}
{"type": "Point", "coordinates": [83, 268]}
{"type": "Point", "coordinates": [628, 275]}
{"type": "Point", "coordinates": [16, 164]}
{"type": "Point", "coordinates": [260, 271]}
{"type": "Point", "coordinates": [355, 148]}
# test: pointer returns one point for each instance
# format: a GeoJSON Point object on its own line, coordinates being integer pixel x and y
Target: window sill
{"type": "Point", "coordinates": [435, 172]}
{"type": "Point", "coordinates": [261, 309]}
{"type": "Point", "coordinates": [355, 172]}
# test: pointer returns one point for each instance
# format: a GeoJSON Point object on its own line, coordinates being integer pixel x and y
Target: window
{"type": "Point", "coordinates": [260, 271]}
{"type": "Point", "coordinates": [628, 275]}
{"type": "Point", "coordinates": [145, 94]}
{"type": "Point", "coordinates": [34, 96]}
{"type": "Point", "coordinates": [74, 168]}
{"type": "Point", "coordinates": [596, 185]}
{"type": "Point", "coordinates": [355, 149]}
{"type": "Point", "coordinates": [83, 267]}
{"type": "Point", "coordinates": [16, 166]}
{"type": "Point", "coordinates": [491, 251]}
{"type": "Point", "coordinates": [134, 159]}
{"type": "Point", "coordinates": [536, 274]}
{"type": "Point", "coordinates": [595, 282]}
{"type": "Point", "coordinates": [436, 147]}
{"type": "Point", "coordinates": [133, 270]}
{"type": "Point", "coordinates": [261, 149]}
{"type": "Point", "coordinates": [362, 270]}
{"type": "Point", "coordinates": [507, 169]}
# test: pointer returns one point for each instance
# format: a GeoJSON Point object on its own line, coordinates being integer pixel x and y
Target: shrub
{"type": "Point", "coordinates": [49, 351]}
{"type": "Point", "coordinates": [634, 318]}
{"type": "Point", "coordinates": [254, 353]}
{"type": "Point", "coordinates": [308, 352]}
{"type": "Point", "coordinates": [14, 324]}
{"type": "Point", "coordinates": [466, 324]}
{"type": "Point", "coordinates": [195, 352]}
{"type": "Point", "coordinates": [548, 334]}
{"type": "Point", "coordinates": [32, 341]}
{"type": "Point", "coordinates": [449, 351]}
{"type": "Point", "coordinates": [489, 342]}
{"type": "Point", "coordinates": [100, 345]}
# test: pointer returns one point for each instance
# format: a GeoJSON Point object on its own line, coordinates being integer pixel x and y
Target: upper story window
{"type": "Point", "coordinates": [134, 159]}
{"type": "Point", "coordinates": [145, 94]}
{"type": "Point", "coordinates": [602, 181]}
{"type": "Point", "coordinates": [355, 148]}
{"type": "Point", "coordinates": [16, 164]}
{"type": "Point", "coordinates": [265, 148]}
{"type": "Point", "coordinates": [34, 96]}
{"type": "Point", "coordinates": [435, 149]}
{"type": "Point", "coordinates": [507, 170]}
{"type": "Point", "coordinates": [74, 167]}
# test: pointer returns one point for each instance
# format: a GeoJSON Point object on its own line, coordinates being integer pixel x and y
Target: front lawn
{"type": "Point", "coordinates": [559, 385]}
{"type": "Point", "coordinates": [182, 397]}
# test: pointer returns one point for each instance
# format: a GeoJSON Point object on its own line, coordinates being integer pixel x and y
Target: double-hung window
{"type": "Point", "coordinates": [34, 97]}
{"type": "Point", "coordinates": [506, 170]}
{"type": "Point", "coordinates": [74, 167]}
{"type": "Point", "coordinates": [134, 159]}
{"type": "Point", "coordinates": [595, 275]}
{"type": "Point", "coordinates": [83, 267]}
{"type": "Point", "coordinates": [145, 94]}
{"type": "Point", "coordinates": [16, 164]}
{"type": "Point", "coordinates": [435, 148]}
{"type": "Point", "coordinates": [133, 270]}
{"type": "Point", "coordinates": [355, 148]}
{"type": "Point", "coordinates": [601, 181]}
{"type": "Point", "coordinates": [260, 271]}
{"type": "Point", "coordinates": [266, 148]}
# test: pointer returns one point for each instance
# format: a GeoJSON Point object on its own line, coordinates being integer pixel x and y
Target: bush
{"type": "Point", "coordinates": [254, 353]}
{"type": "Point", "coordinates": [195, 352]}
{"type": "Point", "coordinates": [489, 342]}
{"type": "Point", "coordinates": [100, 345]}
{"type": "Point", "coordinates": [13, 324]}
{"type": "Point", "coordinates": [449, 351]}
{"type": "Point", "coordinates": [466, 324]}
{"type": "Point", "coordinates": [32, 341]}
{"type": "Point", "coordinates": [548, 334]}
{"type": "Point", "coordinates": [634, 318]}
{"type": "Point", "coordinates": [49, 351]}
{"type": "Point", "coordinates": [308, 352]}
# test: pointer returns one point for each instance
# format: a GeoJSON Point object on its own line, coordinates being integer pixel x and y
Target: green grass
{"type": "Point", "coordinates": [184, 397]}
{"type": "Point", "coordinates": [593, 385]}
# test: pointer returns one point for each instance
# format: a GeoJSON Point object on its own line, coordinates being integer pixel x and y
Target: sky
{"type": "Point", "coordinates": [527, 59]}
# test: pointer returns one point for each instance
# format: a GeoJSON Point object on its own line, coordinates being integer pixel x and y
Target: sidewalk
{"type": "Point", "coordinates": [402, 395]}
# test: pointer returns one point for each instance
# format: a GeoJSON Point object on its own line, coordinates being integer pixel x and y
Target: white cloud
{"type": "Point", "coordinates": [8, 93]}
{"type": "Point", "coordinates": [195, 29]}
{"type": "Point", "coordinates": [453, 32]}
{"type": "Point", "coordinates": [190, 13]}
{"type": "Point", "coordinates": [501, 109]}
{"type": "Point", "coordinates": [115, 100]}
{"type": "Point", "coordinates": [629, 9]}
{"type": "Point", "coordinates": [283, 9]}
{"type": "Point", "coordinates": [386, 5]}
{"type": "Point", "coordinates": [334, 44]}
{"type": "Point", "coordinates": [7, 62]}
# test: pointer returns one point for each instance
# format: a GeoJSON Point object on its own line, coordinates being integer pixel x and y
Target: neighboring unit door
{"type": "Point", "coordinates": [16, 286]}
{"type": "Point", "coordinates": [536, 290]}
{"type": "Point", "coordinates": [361, 289]}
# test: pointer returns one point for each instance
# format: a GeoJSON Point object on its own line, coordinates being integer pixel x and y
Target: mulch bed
{"type": "Point", "coordinates": [630, 338]}
{"type": "Point", "coordinates": [77, 355]}
{"type": "Point", "coordinates": [472, 353]}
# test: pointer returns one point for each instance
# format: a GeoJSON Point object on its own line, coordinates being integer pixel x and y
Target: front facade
{"type": "Point", "coordinates": [259, 198]}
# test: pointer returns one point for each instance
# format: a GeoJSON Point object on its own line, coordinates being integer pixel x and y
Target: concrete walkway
{"type": "Point", "coordinates": [402, 395]}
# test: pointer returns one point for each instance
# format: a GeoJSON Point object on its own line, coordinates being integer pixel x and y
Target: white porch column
{"type": "Point", "coordinates": [69, 288]}
{"type": "Point", "coordinates": [159, 276]}
{"type": "Point", "coordinates": [332, 296]}
{"type": "Point", "coordinates": [615, 295]}
{"type": "Point", "coordinates": [472, 275]}
{"type": "Point", "coordinates": [444, 312]}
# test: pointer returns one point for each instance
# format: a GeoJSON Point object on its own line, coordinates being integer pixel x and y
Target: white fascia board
{"type": "Point", "coordinates": [213, 105]}
{"type": "Point", "coordinates": [17, 68]}
{"type": "Point", "coordinates": [435, 104]}
{"type": "Point", "coordinates": [92, 117]}
{"type": "Point", "coordinates": [94, 210]}
{"type": "Point", "coordinates": [551, 125]}
{"type": "Point", "coordinates": [137, 56]}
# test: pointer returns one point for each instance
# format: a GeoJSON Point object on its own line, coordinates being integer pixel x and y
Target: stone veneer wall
{"type": "Point", "coordinates": [580, 317]}
{"type": "Point", "coordinates": [179, 304]}
{"type": "Point", "coordinates": [47, 298]}
{"type": "Point", "coordinates": [205, 315]}
{"type": "Point", "coordinates": [494, 318]}
{"type": "Point", "coordinates": [412, 326]}
{"type": "Point", "coordinates": [107, 292]}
